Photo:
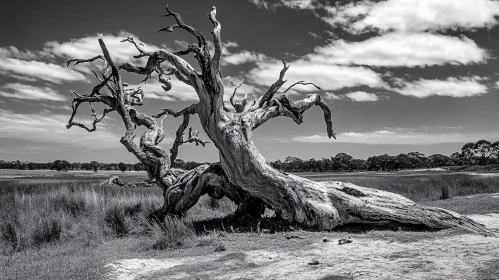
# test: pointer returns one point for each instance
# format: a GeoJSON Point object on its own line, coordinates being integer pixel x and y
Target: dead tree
{"type": "Point", "coordinates": [243, 174]}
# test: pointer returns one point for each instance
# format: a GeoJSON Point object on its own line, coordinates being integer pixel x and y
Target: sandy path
{"type": "Point", "coordinates": [452, 257]}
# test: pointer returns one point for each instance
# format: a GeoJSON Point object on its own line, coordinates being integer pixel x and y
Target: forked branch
{"type": "Point", "coordinates": [267, 96]}
{"type": "Point", "coordinates": [273, 104]}
{"type": "Point", "coordinates": [180, 24]}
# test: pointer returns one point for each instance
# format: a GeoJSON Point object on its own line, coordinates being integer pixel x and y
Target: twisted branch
{"type": "Point", "coordinates": [78, 61]}
{"type": "Point", "coordinates": [237, 106]}
{"type": "Point", "coordinates": [301, 83]}
{"type": "Point", "coordinates": [216, 40]}
{"type": "Point", "coordinates": [180, 24]}
{"type": "Point", "coordinates": [267, 96]}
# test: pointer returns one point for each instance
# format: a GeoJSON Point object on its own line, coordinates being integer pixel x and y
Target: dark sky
{"type": "Point", "coordinates": [399, 75]}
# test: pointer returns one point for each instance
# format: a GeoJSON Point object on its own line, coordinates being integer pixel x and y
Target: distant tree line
{"type": "Point", "coordinates": [482, 152]}
{"type": "Point", "coordinates": [64, 165]}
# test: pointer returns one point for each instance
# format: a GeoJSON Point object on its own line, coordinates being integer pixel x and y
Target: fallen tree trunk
{"type": "Point", "coordinates": [243, 174]}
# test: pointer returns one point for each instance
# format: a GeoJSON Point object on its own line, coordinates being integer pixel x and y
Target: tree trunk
{"type": "Point", "coordinates": [243, 174]}
{"type": "Point", "coordinates": [321, 205]}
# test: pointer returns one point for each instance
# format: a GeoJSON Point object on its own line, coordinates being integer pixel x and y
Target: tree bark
{"type": "Point", "coordinates": [243, 174]}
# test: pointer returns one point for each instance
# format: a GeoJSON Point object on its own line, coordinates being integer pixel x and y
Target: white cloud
{"type": "Point", "coordinates": [51, 128]}
{"type": "Point", "coordinates": [361, 96]}
{"type": "Point", "coordinates": [30, 70]}
{"type": "Point", "coordinates": [179, 91]}
{"type": "Point", "coordinates": [294, 4]}
{"type": "Point", "coordinates": [397, 138]}
{"type": "Point", "coordinates": [230, 84]}
{"type": "Point", "coordinates": [452, 87]}
{"type": "Point", "coordinates": [243, 57]}
{"type": "Point", "coordinates": [16, 53]}
{"type": "Point", "coordinates": [357, 96]}
{"type": "Point", "coordinates": [39, 65]}
{"type": "Point", "coordinates": [330, 95]}
{"type": "Point", "coordinates": [410, 15]}
{"type": "Point", "coordinates": [87, 47]}
{"type": "Point", "coordinates": [326, 76]}
{"type": "Point", "coordinates": [22, 91]}
{"type": "Point", "coordinates": [298, 4]}
{"type": "Point", "coordinates": [400, 49]}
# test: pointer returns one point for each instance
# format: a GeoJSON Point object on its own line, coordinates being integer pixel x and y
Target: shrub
{"type": "Point", "coordinates": [171, 233]}
{"type": "Point", "coordinates": [115, 219]}
{"type": "Point", "coordinates": [47, 230]}
{"type": "Point", "coordinates": [11, 234]}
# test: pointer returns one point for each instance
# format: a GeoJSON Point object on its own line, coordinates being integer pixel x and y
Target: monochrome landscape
{"type": "Point", "coordinates": [252, 139]}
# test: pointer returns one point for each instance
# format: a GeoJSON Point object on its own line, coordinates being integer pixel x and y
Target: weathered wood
{"type": "Point", "coordinates": [243, 174]}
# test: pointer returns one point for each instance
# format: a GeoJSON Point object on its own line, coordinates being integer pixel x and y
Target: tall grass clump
{"type": "Point", "coordinates": [86, 213]}
{"type": "Point", "coordinates": [171, 233]}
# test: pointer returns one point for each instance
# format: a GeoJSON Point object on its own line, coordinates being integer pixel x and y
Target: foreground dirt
{"type": "Point", "coordinates": [302, 255]}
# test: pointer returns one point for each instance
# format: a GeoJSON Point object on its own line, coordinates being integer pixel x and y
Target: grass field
{"type": "Point", "coordinates": [58, 225]}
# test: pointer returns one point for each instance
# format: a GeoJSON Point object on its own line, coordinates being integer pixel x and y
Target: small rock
{"type": "Point", "coordinates": [293, 237]}
{"type": "Point", "coordinates": [344, 241]}
{"type": "Point", "coordinates": [314, 262]}
{"type": "Point", "coordinates": [220, 248]}
{"type": "Point", "coordinates": [324, 239]}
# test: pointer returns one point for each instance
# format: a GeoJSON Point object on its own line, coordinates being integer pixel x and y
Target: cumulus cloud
{"type": "Point", "coordinates": [327, 76]}
{"type": "Point", "coordinates": [397, 137]}
{"type": "Point", "coordinates": [179, 91]}
{"type": "Point", "coordinates": [402, 50]}
{"type": "Point", "coordinates": [230, 84]}
{"type": "Point", "coordinates": [451, 87]}
{"type": "Point", "coordinates": [87, 47]}
{"type": "Point", "coordinates": [243, 57]}
{"type": "Point", "coordinates": [295, 4]}
{"type": "Point", "coordinates": [38, 70]}
{"type": "Point", "coordinates": [39, 65]}
{"type": "Point", "coordinates": [14, 52]}
{"type": "Point", "coordinates": [357, 96]}
{"type": "Point", "coordinates": [414, 16]}
{"type": "Point", "coordinates": [361, 96]}
{"type": "Point", "coordinates": [48, 127]}
{"type": "Point", "coordinates": [22, 91]}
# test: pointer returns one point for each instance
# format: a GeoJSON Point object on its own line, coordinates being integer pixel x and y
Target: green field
{"type": "Point", "coordinates": [63, 225]}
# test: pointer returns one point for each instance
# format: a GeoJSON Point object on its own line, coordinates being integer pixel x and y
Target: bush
{"type": "Point", "coordinates": [171, 233]}
{"type": "Point", "coordinates": [115, 218]}
{"type": "Point", "coordinates": [11, 234]}
{"type": "Point", "coordinates": [47, 230]}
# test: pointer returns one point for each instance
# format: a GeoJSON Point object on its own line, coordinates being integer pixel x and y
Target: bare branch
{"type": "Point", "coordinates": [184, 71]}
{"type": "Point", "coordinates": [78, 61]}
{"type": "Point", "coordinates": [274, 87]}
{"type": "Point", "coordinates": [216, 39]}
{"type": "Point", "coordinates": [120, 95]}
{"type": "Point", "coordinates": [301, 83]}
{"type": "Point", "coordinates": [282, 106]}
{"type": "Point", "coordinates": [94, 123]}
{"type": "Point", "coordinates": [236, 106]}
{"type": "Point", "coordinates": [191, 109]}
{"type": "Point", "coordinates": [179, 135]}
{"type": "Point", "coordinates": [193, 137]}
{"type": "Point", "coordinates": [180, 24]}
{"type": "Point", "coordinates": [137, 45]}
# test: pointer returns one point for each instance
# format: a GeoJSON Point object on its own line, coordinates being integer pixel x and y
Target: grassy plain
{"type": "Point", "coordinates": [58, 225]}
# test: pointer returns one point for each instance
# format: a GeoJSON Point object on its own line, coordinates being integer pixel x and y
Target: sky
{"type": "Point", "coordinates": [398, 75]}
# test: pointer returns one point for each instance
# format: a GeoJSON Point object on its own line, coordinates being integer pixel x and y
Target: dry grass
{"type": "Point", "coordinates": [78, 226]}
{"type": "Point", "coordinates": [417, 186]}
{"type": "Point", "coordinates": [90, 214]}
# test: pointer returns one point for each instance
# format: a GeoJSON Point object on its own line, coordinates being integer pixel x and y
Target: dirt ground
{"type": "Point", "coordinates": [304, 255]}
